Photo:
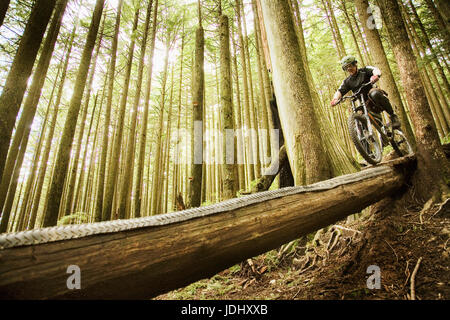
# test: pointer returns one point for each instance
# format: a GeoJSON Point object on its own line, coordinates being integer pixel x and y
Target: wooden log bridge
{"type": "Point", "coordinates": [141, 258]}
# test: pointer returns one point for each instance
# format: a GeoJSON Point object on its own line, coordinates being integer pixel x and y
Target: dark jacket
{"type": "Point", "coordinates": [354, 82]}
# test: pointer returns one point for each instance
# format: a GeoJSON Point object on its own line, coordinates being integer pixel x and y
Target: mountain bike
{"type": "Point", "coordinates": [369, 142]}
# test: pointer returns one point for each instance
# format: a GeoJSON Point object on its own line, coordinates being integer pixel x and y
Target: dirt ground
{"type": "Point", "coordinates": [409, 243]}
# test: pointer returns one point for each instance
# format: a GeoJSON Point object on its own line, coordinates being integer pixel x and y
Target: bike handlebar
{"type": "Point", "coordinates": [355, 94]}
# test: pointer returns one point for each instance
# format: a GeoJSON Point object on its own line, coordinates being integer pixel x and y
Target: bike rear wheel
{"type": "Point", "coordinates": [368, 145]}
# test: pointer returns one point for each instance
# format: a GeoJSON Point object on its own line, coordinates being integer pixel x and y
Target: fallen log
{"type": "Point", "coordinates": [141, 258]}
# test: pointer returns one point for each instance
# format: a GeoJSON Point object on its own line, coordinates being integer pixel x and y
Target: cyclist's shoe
{"type": "Point", "coordinates": [395, 122]}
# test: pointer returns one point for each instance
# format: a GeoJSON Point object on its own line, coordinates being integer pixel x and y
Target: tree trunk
{"type": "Point", "coordinates": [443, 7]}
{"type": "Point", "coordinates": [248, 141]}
{"type": "Point", "coordinates": [298, 120]}
{"type": "Point", "coordinates": [125, 195]}
{"type": "Point", "coordinates": [198, 103]}
{"type": "Point", "coordinates": [227, 108]}
{"type": "Point", "coordinates": [266, 180]}
{"type": "Point", "coordinates": [339, 159]}
{"type": "Point", "coordinates": [22, 65]}
{"type": "Point", "coordinates": [78, 193]}
{"type": "Point", "coordinates": [32, 100]}
{"type": "Point", "coordinates": [334, 28]}
{"type": "Point", "coordinates": [349, 25]}
{"type": "Point", "coordinates": [240, 151]}
{"type": "Point", "coordinates": [443, 27]}
{"type": "Point", "coordinates": [176, 185]}
{"type": "Point", "coordinates": [62, 160]}
{"type": "Point", "coordinates": [52, 126]}
{"type": "Point", "coordinates": [265, 84]}
{"type": "Point", "coordinates": [380, 61]}
{"type": "Point", "coordinates": [433, 50]}
{"type": "Point", "coordinates": [159, 137]}
{"type": "Point", "coordinates": [433, 169]}
{"type": "Point", "coordinates": [139, 195]}
{"type": "Point", "coordinates": [253, 110]}
{"type": "Point", "coordinates": [105, 141]}
{"type": "Point", "coordinates": [165, 159]}
{"type": "Point", "coordinates": [441, 112]}
{"type": "Point", "coordinates": [31, 177]}
{"type": "Point", "coordinates": [74, 170]}
{"type": "Point", "coordinates": [113, 170]}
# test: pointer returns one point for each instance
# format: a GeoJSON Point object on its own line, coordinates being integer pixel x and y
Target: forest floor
{"type": "Point", "coordinates": [334, 264]}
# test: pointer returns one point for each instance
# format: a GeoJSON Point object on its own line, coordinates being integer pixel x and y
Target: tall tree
{"type": "Point", "coordinates": [105, 140]}
{"type": "Point", "coordinates": [339, 160]}
{"type": "Point", "coordinates": [298, 120]}
{"type": "Point", "coordinates": [433, 170]}
{"type": "Point", "coordinates": [334, 28]}
{"type": "Point", "coordinates": [117, 146]}
{"type": "Point", "coordinates": [139, 195]}
{"type": "Point", "coordinates": [380, 61]}
{"type": "Point", "coordinates": [427, 47]}
{"type": "Point", "coordinates": [52, 126]}
{"type": "Point", "coordinates": [125, 196]}
{"type": "Point", "coordinates": [158, 152]}
{"type": "Point", "coordinates": [443, 26]}
{"type": "Point", "coordinates": [32, 100]}
{"type": "Point", "coordinates": [65, 146]}
{"type": "Point", "coordinates": [240, 148]}
{"type": "Point", "coordinates": [227, 108]}
{"type": "Point", "coordinates": [16, 81]}
{"type": "Point", "coordinates": [197, 103]}
{"type": "Point", "coordinates": [73, 172]}
{"type": "Point", "coordinates": [248, 141]}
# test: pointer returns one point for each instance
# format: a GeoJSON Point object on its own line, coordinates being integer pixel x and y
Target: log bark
{"type": "Point", "coordinates": [149, 260]}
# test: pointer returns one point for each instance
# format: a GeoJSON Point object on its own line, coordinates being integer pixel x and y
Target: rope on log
{"type": "Point", "coordinates": [50, 234]}
{"type": "Point", "coordinates": [153, 255]}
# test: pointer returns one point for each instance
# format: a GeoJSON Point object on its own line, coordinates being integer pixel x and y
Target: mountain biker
{"type": "Point", "coordinates": [376, 99]}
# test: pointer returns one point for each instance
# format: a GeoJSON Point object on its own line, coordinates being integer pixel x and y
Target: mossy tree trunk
{"type": "Point", "coordinates": [432, 167]}
{"type": "Point", "coordinates": [227, 109]}
{"type": "Point", "coordinates": [197, 102]}
{"type": "Point", "coordinates": [299, 123]}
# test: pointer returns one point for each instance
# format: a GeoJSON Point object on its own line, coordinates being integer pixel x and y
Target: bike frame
{"type": "Point", "coordinates": [379, 125]}
{"type": "Point", "coordinates": [386, 133]}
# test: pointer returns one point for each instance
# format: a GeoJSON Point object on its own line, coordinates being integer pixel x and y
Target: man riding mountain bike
{"type": "Point", "coordinates": [377, 100]}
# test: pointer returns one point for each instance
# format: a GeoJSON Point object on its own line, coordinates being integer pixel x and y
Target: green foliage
{"type": "Point", "coordinates": [74, 218]}
{"type": "Point", "coordinates": [446, 139]}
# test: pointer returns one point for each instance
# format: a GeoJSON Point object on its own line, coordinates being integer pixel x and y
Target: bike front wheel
{"type": "Point", "coordinates": [368, 145]}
